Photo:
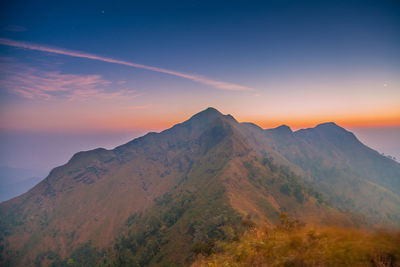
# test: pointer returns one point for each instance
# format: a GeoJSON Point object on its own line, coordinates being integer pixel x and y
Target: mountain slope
{"type": "Point", "coordinates": [353, 176]}
{"type": "Point", "coordinates": [183, 189]}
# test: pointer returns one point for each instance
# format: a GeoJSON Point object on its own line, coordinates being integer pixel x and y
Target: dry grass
{"type": "Point", "coordinates": [308, 246]}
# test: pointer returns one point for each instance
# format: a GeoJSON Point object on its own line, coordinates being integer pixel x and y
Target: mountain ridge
{"type": "Point", "coordinates": [202, 170]}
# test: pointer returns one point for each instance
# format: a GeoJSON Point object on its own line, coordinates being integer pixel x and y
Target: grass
{"type": "Point", "coordinates": [295, 244]}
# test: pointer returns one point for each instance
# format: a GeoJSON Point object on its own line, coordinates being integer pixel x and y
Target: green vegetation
{"type": "Point", "coordinates": [83, 256]}
{"type": "Point", "coordinates": [201, 220]}
{"type": "Point", "coordinates": [189, 223]}
{"type": "Point", "coordinates": [289, 183]}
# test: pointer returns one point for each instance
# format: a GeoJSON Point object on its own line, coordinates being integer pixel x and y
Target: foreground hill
{"type": "Point", "coordinates": [204, 180]}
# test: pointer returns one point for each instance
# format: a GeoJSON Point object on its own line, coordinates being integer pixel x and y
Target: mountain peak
{"type": "Point", "coordinates": [208, 115]}
{"type": "Point", "coordinates": [328, 124]}
{"type": "Point", "coordinates": [336, 134]}
{"type": "Point", "coordinates": [331, 127]}
{"type": "Point", "coordinates": [211, 110]}
{"type": "Point", "coordinates": [284, 129]}
{"type": "Point", "coordinates": [208, 112]}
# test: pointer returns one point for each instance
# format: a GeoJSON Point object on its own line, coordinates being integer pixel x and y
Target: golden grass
{"type": "Point", "coordinates": [308, 246]}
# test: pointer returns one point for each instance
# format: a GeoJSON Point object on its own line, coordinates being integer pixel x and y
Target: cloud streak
{"type": "Point", "coordinates": [196, 78]}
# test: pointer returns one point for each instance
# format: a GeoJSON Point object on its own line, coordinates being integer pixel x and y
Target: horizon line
{"type": "Point", "coordinates": [167, 124]}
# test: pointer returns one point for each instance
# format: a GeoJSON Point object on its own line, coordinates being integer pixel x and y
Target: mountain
{"type": "Point", "coordinates": [165, 197]}
{"type": "Point", "coordinates": [353, 176]}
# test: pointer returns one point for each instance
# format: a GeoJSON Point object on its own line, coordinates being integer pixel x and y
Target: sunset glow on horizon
{"type": "Point", "coordinates": [43, 98]}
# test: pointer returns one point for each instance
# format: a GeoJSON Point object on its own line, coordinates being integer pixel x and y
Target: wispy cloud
{"type": "Point", "coordinates": [196, 78]}
{"type": "Point", "coordinates": [34, 83]}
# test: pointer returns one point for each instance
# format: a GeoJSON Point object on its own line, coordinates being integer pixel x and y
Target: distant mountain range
{"type": "Point", "coordinates": [16, 181]}
{"type": "Point", "coordinates": [163, 198]}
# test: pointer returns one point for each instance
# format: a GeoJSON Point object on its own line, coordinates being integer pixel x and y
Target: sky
{"type": "Point", "coordinates": [75, 75]}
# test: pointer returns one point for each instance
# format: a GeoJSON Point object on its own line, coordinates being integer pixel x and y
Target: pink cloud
{"type": "Point", "coordinates": [196, 78]}
{"type": "Point", "coordinates": [34, 83]}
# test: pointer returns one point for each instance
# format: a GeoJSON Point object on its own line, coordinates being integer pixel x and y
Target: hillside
{"type": "Point", "coordinates": [184, 189]}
